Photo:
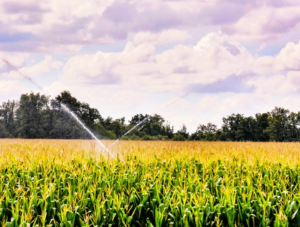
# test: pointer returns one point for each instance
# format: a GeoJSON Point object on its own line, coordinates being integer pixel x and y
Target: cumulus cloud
{"type": "Point", "coordinates": [65, 25]}
{"type": "Point", "coordinates": [44, 26]}
{"type": "Point", "coordinates": [215, 107]}
{"type": "Point", "coordinates": [215, 58]}
{"type": "Point", "coordinates": [231, 84]}
{"type": "Point", "coordinates": [16, 59]}
{"type": "Point", "coordinates": [106, 68]}
{"type": "Point", "coordinates": [278, 84]}
{"type": "Point", "coordinates": [7, 86]}
{"type": "Point", "coordinates": [217, 63]}
{"type": "Point", "coordinates": [265, 23]}
{"type": "Point", "coordinates": [38, 69]}
{"type": "Point", "coordinates": [164, 37]}
{"type": "Point", "coordinates": [287, 59]}
{"type": "Point", "coordinates": [161, 54]}
{"type": "Point", "coordinates": [126, 99]}
{"type": "Point", "coordinates": [10, 89]}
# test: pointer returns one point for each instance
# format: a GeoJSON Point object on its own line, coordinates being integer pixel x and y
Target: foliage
{"type": "Point", "coordinates": [205, 132]}
{"type": "Point", "coordinates": [64, 183]}
{"type": "Point", "coordinates": [38, 116]}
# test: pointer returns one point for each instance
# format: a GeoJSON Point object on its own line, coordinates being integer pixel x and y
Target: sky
{"type": "Point", "coordinates": [192, 62]}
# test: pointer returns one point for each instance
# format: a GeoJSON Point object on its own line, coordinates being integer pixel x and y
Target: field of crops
{"type": "Point", "coordinates": [68, 183]}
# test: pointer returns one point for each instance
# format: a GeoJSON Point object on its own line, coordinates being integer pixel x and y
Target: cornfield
{"type": "Point", "coordinates": [69, 183]}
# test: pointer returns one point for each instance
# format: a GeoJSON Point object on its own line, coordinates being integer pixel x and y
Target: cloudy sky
{"type": "Point", "coordinates": [190, 61]}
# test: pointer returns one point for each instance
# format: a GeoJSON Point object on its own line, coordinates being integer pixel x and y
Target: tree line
{"type": "Point", "coordinates": [38, 116]}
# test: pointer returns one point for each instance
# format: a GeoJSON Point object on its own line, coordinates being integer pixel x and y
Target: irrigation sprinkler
{"type": "Point", "coordinates": [86, 129]}
{"type": "Point", "coordinates": [137, 125]}
{"type": "Point", "coordinates": [141, 122]}
{"type": "Point", "coordinates": [64, 107]}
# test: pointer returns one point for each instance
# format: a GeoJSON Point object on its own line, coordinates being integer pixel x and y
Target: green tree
{"type": "Point", "coordinates": [277, 129]}
{"type": "Point", "coordinates": [181, 134]}
{"type": "Point", "coordinates": [205, 132]}
{"type": "Point", "coordinates": [231, 126]}
{"type": "Point", "coordinates": [7, 115]}
{"type": "Point", "coordinates": [30, 117]}
{"type": "Point", "coordinates": [262, 123]}
{"type": "Point", "coordinates": [167, 130]}
{"type": "Point", "coordinates": [152, 126]}
{"type": "Point", "coordinates": [3, 132]}
{"type": "Point", "coordinates": [63, 126]}
{"type": "Point", "coordinates": [71, 102]}
{"type": "Point", "coordinates": [246, 129]}
{"type": "Point", "coordinates": [293, 124]}
{"type": "Point", "coordinates": [90, 116]}
{"type": "Point", "coordinates": [118, 127]}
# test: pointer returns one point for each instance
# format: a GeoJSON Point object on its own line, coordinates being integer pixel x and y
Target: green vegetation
{"type": "Point", "coordinates": [38, 116]}
{"type": "Point", "coordinates": [180, 184]}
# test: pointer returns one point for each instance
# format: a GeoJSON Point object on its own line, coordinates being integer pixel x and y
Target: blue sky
{"type": "Point", "coordinates": [128, 57]}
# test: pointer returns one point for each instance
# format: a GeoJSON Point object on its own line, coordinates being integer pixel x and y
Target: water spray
{"type": "Point", "coordinates": [137, 125]}
{"type": "Point", "coordinates": [86, 129]}
{"type": "Point", "coordinates": [64, 107]}
{"type": "Point", "coordinates": [141, 122]}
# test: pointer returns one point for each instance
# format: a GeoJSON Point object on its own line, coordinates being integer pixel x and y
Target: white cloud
{"type": "Point", "coordinates": [7, 86]}
{"type": "Point", "coordinates": [287, 59]}
{"type": "Point", "coordinates": [126, 99]}
{"type": "Point", "coordinates": [14, 59]}
{"type": "Point", "coordinates": [164, 37]}
{"type": "Point", "coordinates": [118, 82]}
{"type": "Point", "coordinates": [10, 89]}
{"type": "Point", "coordinates": [73, 24]}
{"type": "Point", "coordinates": [278, 84]}
{"type": "Point", "coordinates": [38, 69]}
{"type": "Point", "coordinates": [77, 8]}
{"type": "Point", "coordinates": [173, 104]}
{"type": "Point", "coordinates": [215, 57]}
{"type": "Point", "coordinates": [42, 67]}
{"type": "Point", "coordinates": [265, 23]}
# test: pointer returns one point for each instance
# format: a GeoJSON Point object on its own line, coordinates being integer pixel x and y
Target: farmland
{"type": "Point", "coordinates": [69, 183]}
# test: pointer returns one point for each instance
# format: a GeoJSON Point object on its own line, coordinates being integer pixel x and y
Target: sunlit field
{"type": "Point", "coordinates": [71, 183]}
